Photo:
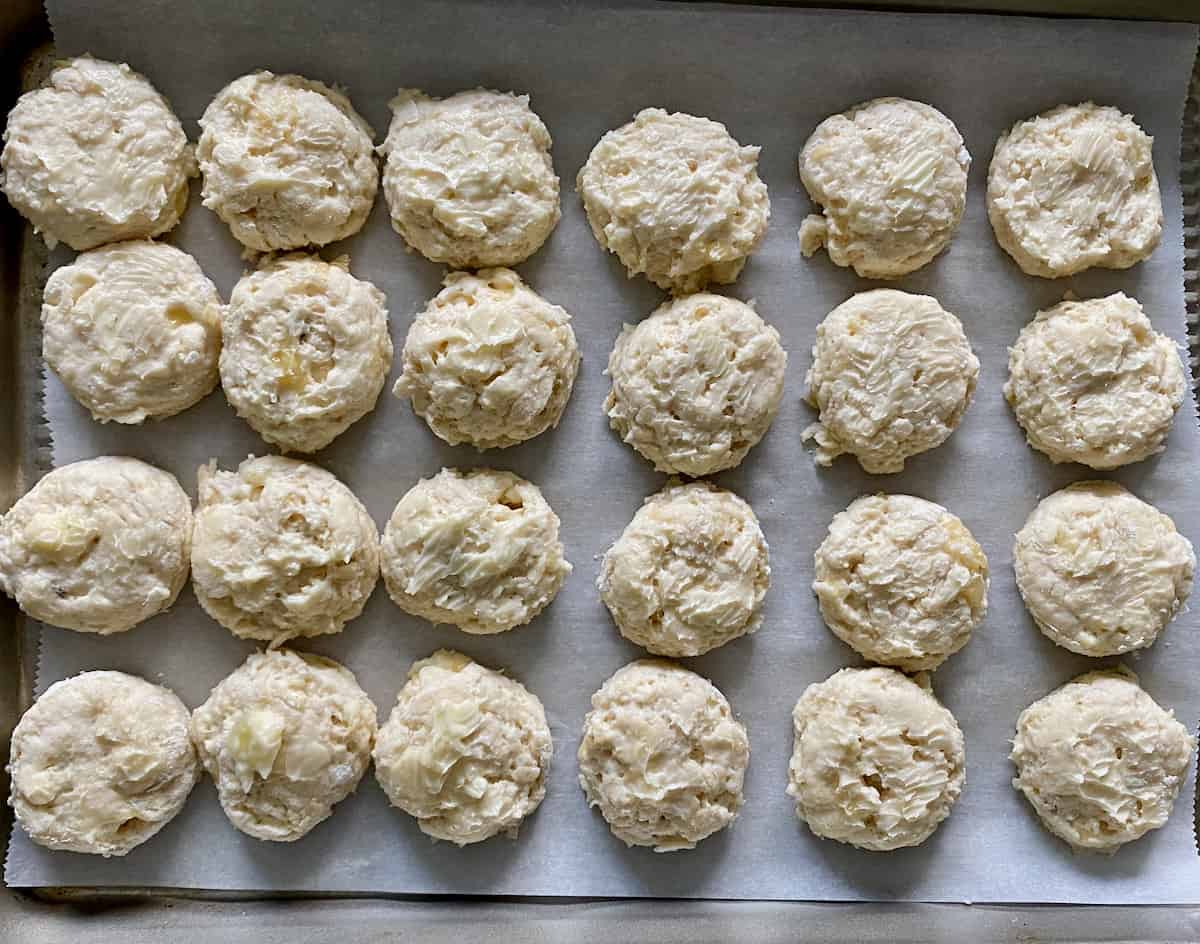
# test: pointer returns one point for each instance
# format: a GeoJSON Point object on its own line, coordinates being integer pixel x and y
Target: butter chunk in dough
{"type": "Point", "coordinates": [466, 750]}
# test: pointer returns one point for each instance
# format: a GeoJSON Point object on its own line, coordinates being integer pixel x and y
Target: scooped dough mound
{"type": "Point", "coordinates": [133, 330]}
{"type": "Point", "coordinates": [890, 176]}
{"type": "Point", "coordinates": [100, 763]}
{"type": "Point", "coordinates": [465, 750]}
{"type": "Point", "coordinates": [97, 546]}
{"type": "Point", "coordinates": [676, 198]}
{"type": "Point", "coordinates": [696, 385]}
{"type": "Point", "coordinates": [662, 756]}
{"type": "Point", "coordinates": [878, 761]}
{"type": "Point", "coordinates": [477, 549]}
{"type": "Point", "coordinates": [469, 179]}
{"type": "Point", "coordinates": [1093, 382]}
{"type": "Point", "coordinates": [1100, 761]}
{"type": "Point", "coordinates": [1072, 188]}
{"type": "Point", "coordinates": [281, 549]}
{"type": "Point", "coordinates": [892, 375]}
{"type": "Point", "coordinates": [489, 361]}
{"type": "Point", "coordinates": [1101, 571]}
{"type": "Point", "coordinates": [285, 737]}
{"type": "Point", "coordinates": [306, 350]}
{"type": "Point", "coordinates": [287, 162]}
{"type": "Point", "coordinates": [96, 156]}
{"type": "Point", "coordinates": [689, 572]}
{"type": "Point", "coordinates": [901, 581]}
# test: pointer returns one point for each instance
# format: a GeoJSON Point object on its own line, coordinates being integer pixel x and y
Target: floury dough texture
{"type": "Point", "coordinates": [901, 581]}
{"type": "Point", "coordinates": [476, 549]}
{"type": "Point", "coordinates": [133, 330]}
{"type": "Point", "coordinates": [97, 546]}
{"type": "Point", "coordinates": [1093, 382]}
{"type": "Point", "coordinates": [1073, 188]}
{"type": "Point", "coordinates": [466, 750]}
{"type": "Point", "coordinates": [100, 763]}
{"type": "Point", "coordinates": [878, 761]}
{"type": "Point", "coordinates": [306, 350]}
{"type": "Point", "coordinates": [96, 156]}
{"type": "Point", "coordinates": [489, 361]}
{"type": "Point", "coordinates": [662, 756]}
{"type": "Point", "coordinates": [287, 162]}
{"type": "Point", "coordinates": [1101, 571]}
{"type": "Point", "coordinates": [281, 549]}
{"type": "Point", "coordinates": [689, 572]}
{"type": "Point", "coordinates": [468, 179]}
{"type": "Point", "coordinates": [285, 737]}
{"type": "Point", "coordinates": [892, 375]}
{"type": "Point", "coordinates": [696, 385]}
{"type": "Point", "coordinates": [676, 198]}
{"type": "Point", "coordinates": [890, 176]}
{"type": "Point", "coordinates": [1100, 761]}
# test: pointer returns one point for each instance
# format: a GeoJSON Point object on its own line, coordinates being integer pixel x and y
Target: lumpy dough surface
{"type": "Point", "coordinates": [662, 756]}
{"type": "Point", "coordinates": [901, 580]}
{"type": "Point", "coordinates": [489, 361]}
{"type": "Point", "coordinates": [96, 156]}
{"type": "Point", "coordinates": [133, 330]}
{"type": "Point", "coordinates": [100, 763]}
{"type": "Point", "coordinates": [306, 350]}
{"type": "Point", "coordinates": [476, 549]}
{"type": "Point", "coordinates": [281, 549]}
{"type": "Point", "coordinates": [689, 572]}
{"type": "Point", "coordinates": [676, 198]}
{"type": "Point", "coordinates": [287, 162]}
{"type": "Point", "coordinates": [878, 761]}
{"type": "Point", "coordinates": [469, 180]}
{"type": "Point", "coordinates": [1072, 188]}
{"type": "Point", "coordinates": [1100, 761]}
{"type": "Point", "coordinates": [1093, 382]}
{"type": "Point", "coordinates": [892, 375]}
{"type": "Point", "coordinates": [466, 750]}
{"type": "Point", "coordinates": [97, 546]}
{"type": "Point", "coordinates": [890, 176]}
{"type": "Point", "coordinates": [1101, 571]}
{"type": "Point", "coordinates": [285, 737]}
{"type": "Point", "coordinates": [696, 385]}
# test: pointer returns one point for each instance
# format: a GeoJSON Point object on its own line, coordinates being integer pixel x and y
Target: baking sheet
{"type": "Point", "coordinates": [770, 74]}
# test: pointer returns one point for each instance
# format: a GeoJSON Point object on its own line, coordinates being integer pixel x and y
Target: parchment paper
{"type": "Point", "coordinates": [770, 74]}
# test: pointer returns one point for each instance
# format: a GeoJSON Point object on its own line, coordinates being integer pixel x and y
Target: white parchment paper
{"type": "Point", "coordinates": [770, 74]}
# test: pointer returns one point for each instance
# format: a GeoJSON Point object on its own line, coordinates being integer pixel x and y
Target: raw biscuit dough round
{"type": "Point", "coordinates": [285, 737]}
{"type": "Point", "coordinates": [1100, 761]}
{"type": "Point", "coordinates": [489, 361]}
{"type": "Point", "coordinates": [901, 581]}
{"type": "Point", "coordinates": [696, 385]}
{"type": "Point", "coordinates": [1093, 382]}
{"type": "Point", "coordinates": [281, 548]}
{"type": "Point", "coordinates": [466, 750]}
{"type": "Point", "coordinates": [100, 763]}
{"type": "Point", "coordinates": [662, 756]}
{"type": "Point", "coordinates": [676, 198]}
{"type": "Point", "coordinates": [287, 162]}
{"type": "Point", "coordinates": [96, 156]}
{"type": "Point", "coordinates": [133, 330]}
{"type": "Point", "coordinates": [878, 761]}
{"type": "Point", "coordinates": [468, 179]}
{"type": "Point", "coordinates": [1072, 188]}
{"type": "Point", "coordinates": [688, 573]}
{"type": "Point", "coordinates": [1101, 571]}
{"type": "Point", "coordinates": [97, 546]}
{"type": "Point", "coordinates": [478, 550]}
{"type": "Point", "coordinates": [890, 176]}
{"type": "Point", "coordinates": [306, 350]}
{"type": "Point", "coordinates": [892, 375]}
